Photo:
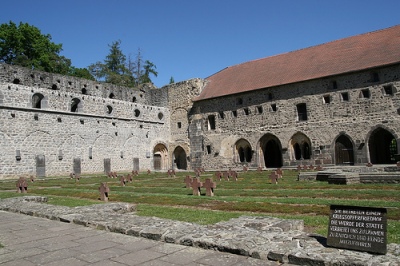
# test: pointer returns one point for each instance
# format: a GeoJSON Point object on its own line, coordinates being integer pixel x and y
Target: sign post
{"type": "Point", "coordinates": [358, 228]}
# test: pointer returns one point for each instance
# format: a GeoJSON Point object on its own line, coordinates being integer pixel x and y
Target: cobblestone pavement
{"type": "Point", "coordinates": [29, 240]}
{"type": "Point", "coordinates": [128, 239]}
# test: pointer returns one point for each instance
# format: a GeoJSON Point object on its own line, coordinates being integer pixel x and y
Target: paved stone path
{"type": "Point", "coordinates": [29, 240]}
{"type": "Point", "coordinates": [155, 241]}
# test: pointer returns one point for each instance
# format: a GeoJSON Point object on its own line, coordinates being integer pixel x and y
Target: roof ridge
{"type": "Point", "coordinates": [309, 47]}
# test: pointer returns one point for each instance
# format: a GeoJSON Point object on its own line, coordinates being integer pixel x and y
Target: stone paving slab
{"type": "Point", "coordinates": [266, 239]}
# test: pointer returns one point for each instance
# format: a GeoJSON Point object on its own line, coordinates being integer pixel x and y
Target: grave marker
{"type": "Point", "coordinates": [209, 185]}
{"type": "Point", "coordinates": [274, 177]}
{"type": "Point", "coordinates": [358, 228]}
{"type": "Point", "coordinates": [196, 185]}
{"type": "Point", "coordinates": [122, 181]}
{"type": "Point", "coordinates": [234, 175]}
{"type": "Point", "coordinates": [104, 190]}
{"type": "Point", "coordinates": [218, 175]}
{"type": "Point", "coordinates": [226, 175]}
{"type": "Point", "coordinates": [279, 172]}
{"type": "Point", "coordinates": [22, 185]}
{"type": "Point", "coordinates": [188, 181]}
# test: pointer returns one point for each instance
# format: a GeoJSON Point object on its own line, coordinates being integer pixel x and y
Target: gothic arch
{"type": "Point", "coordinates": [242, 151]}
{"type": "Point", "coordinates": [382, 146]}
{"type": "Point", "coordinates": [344, 150]}
{"type": "Point", "coordinates": [299, 147]}
{"type": "Point", "coordinates": [270, 151]}
{"type": "Point", "coordinates": [180, 158]}
{"type": "Point", "coordinates": [160, 157]}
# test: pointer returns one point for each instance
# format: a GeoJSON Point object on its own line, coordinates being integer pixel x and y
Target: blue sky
{"type": "Point", "coordinates": [197, 38]}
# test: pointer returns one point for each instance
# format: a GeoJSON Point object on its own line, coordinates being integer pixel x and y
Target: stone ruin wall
{"type": "Point", "coordinates": [355, 118]}
{"type": "Point", "coordinates": [119, 128]}
{"type": "Point", "coordinates": [180, 101]}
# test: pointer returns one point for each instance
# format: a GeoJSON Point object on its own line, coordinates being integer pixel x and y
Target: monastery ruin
{"type": "Point", "coordinates": [336, 103]}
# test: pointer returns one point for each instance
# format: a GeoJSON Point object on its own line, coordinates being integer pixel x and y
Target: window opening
{"type": "Point", "coordinates": [259, 109]}
{"type": "Point", "coordinates": [75, 104]}
{"type": "Point", "coordinates": [246, 111]}
{"type": "Point", "coordinates": [273, 107]}
{"type": "Point", "coordinates": [37, 100]}
{"type": "Point", "coordinates": [388, 89]}
{"type": "Point", "coordinates": [221, 115]}
{"type": "Point", "coordinates": [211, 122]}
{"type": "Point", "coordinates": [208, 149]}
{"type": "Point", "coordinates": [365, 94]}
{"type": "Point", "coordinates": [234, 113]}
{"type": "Point", "coordinates": [179, 124]}
{"type": "Point", "coordinates": [327, 99]}
{"type": "Point", "coordinates": [137, 112]}
{"type": "Point", "coordinates": [109, 109]}
{"type": "Point", "coordinates": [301, 112]}
{"type": "Point", "coordinates": [345, 96]}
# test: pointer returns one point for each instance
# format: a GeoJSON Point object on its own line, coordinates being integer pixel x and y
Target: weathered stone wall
{"type": "Point", "coordinates": [180, 101]}
{"type": "Point", "coordinates": [98, 128]}
{"type": "Point", "coordinates": [335, 106]}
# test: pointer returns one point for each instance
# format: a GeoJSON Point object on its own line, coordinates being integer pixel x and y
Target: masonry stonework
{"type": "Point", "coordinates": [343, 108]}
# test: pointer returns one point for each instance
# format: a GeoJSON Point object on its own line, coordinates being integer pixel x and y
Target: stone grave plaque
{"type": "Point", "coordinates": [107, 165]}
{"type": "Point", "coordinates": [77, 166]}
{"type": "Point", "coordinates": [135, 164]}
{"type": "Point", "coordinates": [40, 166]}
{"type": "Point", "coordinates": [358, 228]}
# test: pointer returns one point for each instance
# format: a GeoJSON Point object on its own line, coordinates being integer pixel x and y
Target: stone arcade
{"type": "Point", "coordinates": [332, 104]}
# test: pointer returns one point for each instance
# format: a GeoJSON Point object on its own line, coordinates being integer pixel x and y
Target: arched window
{"type": "Point", "coordinates": [75, 105]}
{"type": "Point", "coordinates": [37, 100]}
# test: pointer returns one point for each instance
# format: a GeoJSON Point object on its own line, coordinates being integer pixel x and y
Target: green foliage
{"type": "Point", "coordinates": [80, 73]}
{"type": "Point", "coordinates": [26, 46]}
{"type": "Point", "coordinates": [119, 70]}
{"type": "Point", "coordinates": [171, 80]}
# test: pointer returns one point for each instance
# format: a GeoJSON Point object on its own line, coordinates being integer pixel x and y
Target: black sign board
{"type": "Point", "coordinates": [358, 228]}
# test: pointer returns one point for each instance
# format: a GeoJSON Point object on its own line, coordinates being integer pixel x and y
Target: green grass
{"type": "Point", "coordinates": [156, 194]}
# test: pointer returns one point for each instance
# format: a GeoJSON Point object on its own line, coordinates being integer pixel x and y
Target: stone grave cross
{"type": "Point", "coordinates": [196, 185]}
{"type": "Point", "coordinates": [188, 181]}
{"type": "Point", "coordinates": [104, 190]}
{"type": "Point", "coordinates": [22, 185]}
{"type": "Point", "coordinates": [274, 177]}
{"type": "Point", "coordinates": [209, 185]}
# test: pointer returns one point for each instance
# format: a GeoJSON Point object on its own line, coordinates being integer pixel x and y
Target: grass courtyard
{"type": "Point", "coordinates": [157, 194]}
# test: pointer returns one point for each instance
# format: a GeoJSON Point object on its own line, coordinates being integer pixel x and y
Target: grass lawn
{"type": "Point", "coordinates": [156, 194]}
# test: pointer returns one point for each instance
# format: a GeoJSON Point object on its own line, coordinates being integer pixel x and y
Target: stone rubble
{"type": "Point", "coordinates": [264, 238]}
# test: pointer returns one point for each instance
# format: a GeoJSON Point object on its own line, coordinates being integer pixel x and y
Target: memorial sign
{"type": "Point", "coordinates": [358, 228]}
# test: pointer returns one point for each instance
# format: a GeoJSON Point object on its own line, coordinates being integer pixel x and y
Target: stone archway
{"type": "Point", "coordinates": [160, 157]}
{"type": "Point", "coordinates": [180, 158]}
{"type": "Point", "coordinates": [382, 147]}
{"type": "Point", "coordinates": [299, 147]}
{"type": "Point", "coordinates": [243, 151]}
{"type": "Point", "coordinates": [270, 151]}
{"type": "Point", "coordinates": [344, 153]}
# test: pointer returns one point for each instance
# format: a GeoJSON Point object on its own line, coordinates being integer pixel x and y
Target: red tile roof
{"type": "Point", "coordinates": [355, 53]}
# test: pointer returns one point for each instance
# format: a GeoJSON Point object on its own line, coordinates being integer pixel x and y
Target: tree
{"type": "Point", "coordinates": [113, 69]}
{"type": "Point", "coordinates": [171, 80]}
{"type": "Point", "coordinates": [118, 69]}
{"type": "Point", "coordinates": [80, 73]}
{"type": "Point", "coordinates": [26, 46]}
